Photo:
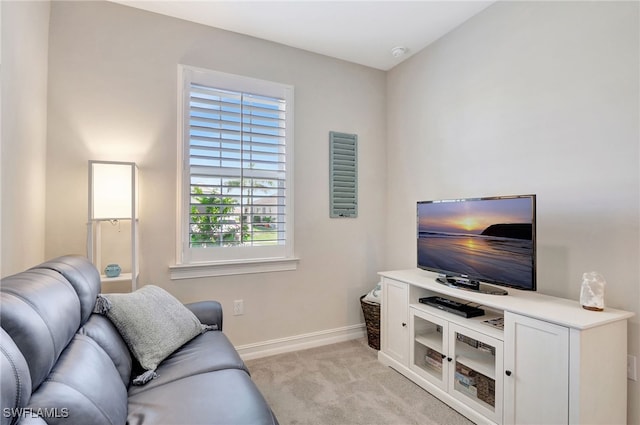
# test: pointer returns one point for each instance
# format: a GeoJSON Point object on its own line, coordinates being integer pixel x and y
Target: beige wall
{"type": "Point", "coordinates": [530, 97]}
{"type": "Point", "coordinates": [112, 96]}
{"type": "Point", "coordinates": [25, 27]}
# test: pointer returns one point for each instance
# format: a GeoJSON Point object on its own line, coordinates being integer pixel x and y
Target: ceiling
{"type": "Point", "coordinates": [363, 32]}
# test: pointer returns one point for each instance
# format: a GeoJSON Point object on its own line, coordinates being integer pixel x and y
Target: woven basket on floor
{"type": "Point", "coordinates": [372, 320]}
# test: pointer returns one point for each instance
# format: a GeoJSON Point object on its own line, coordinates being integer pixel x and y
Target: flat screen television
{"type": "Point", "coordinates": [478, 241]}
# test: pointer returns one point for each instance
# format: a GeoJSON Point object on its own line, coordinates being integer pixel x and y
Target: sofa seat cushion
{"type": "Point", "coordinates": [208, 352]}
{"type": "Point", "coordinates": [222, 397]}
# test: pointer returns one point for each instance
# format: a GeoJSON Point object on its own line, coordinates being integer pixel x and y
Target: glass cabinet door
{"type": "Point", "coordinates": [429, 347]}
{"type": "Point", "coordinates": [476, 373]}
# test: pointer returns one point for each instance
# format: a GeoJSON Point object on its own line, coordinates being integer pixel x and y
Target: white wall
{"type": "Point", "coordinates": [25, 27]}
{"type": "Point", "coordinates": [530, 97]}
{"type": "Point", "coordinates": [113, 95]}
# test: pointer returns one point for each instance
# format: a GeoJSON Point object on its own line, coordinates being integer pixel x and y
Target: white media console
{"type": "Point", "coordinates": [552, 363]}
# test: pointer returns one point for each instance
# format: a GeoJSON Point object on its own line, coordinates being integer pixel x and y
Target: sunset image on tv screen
{"type": "Point", "coordinates": [488, 239]}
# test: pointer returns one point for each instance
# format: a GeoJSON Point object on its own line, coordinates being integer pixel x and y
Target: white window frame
{"type": "Point", "coordinates": [220, 261]}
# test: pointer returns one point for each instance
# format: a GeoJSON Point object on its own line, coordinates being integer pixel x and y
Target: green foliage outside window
{"type": "Point", "coordinates": [213, 222]}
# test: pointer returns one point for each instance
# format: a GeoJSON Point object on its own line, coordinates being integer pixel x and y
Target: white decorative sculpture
{"type": "Point", "coordinates": [592, 291]}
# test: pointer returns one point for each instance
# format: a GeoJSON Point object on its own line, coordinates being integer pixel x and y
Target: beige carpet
{"type": "Point", "coordinates": [344, 384]}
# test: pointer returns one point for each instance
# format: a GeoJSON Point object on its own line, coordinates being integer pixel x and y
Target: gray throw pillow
{"type": "Point", "coordinates": [152, 322]}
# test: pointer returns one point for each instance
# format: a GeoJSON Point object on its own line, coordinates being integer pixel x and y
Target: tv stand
{"type": "Point", "coordinates": [470, 285]}
{"type": "Point", "coordinates": [544, 366]}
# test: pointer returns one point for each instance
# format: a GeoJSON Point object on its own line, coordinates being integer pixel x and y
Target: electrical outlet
{"type": "Point", "coordinates": [238, 307]}
{"type": "Point", "coordinates": [631, 368]}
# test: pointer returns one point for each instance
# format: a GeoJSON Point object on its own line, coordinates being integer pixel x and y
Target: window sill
{"type": "Point", "coordinates": [228, 268]}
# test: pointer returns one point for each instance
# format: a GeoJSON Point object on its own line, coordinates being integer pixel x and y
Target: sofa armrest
{"type": "Point", "coordinates": [208, 312]}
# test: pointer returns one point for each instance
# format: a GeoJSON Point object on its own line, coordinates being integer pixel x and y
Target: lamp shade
{"type": "Point", "coordinates": [112, 186]}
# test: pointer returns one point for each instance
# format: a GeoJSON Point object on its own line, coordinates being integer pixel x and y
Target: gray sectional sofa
{"type": "Point", "coordinates": [62, 363]}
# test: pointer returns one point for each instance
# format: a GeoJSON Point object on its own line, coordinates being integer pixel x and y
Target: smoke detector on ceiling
{"type": "Point", "coordinates": [398, 51]}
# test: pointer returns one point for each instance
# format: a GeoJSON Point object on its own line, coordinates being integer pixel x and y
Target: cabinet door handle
{"type": "Point", "coordinates": [404, 325]}
{"type": "Point", "coordinates": [449, 359]}
{"type": "Point", "coordinates": [507, 372]}
{"type": "Point", "coordinates": [444, 355]}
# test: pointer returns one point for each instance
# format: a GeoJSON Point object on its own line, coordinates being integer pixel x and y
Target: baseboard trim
{"type": "Point", "coordinates": [300, 342]}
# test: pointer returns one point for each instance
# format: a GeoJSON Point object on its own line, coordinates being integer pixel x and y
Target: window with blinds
{"type": "Point", "coordinates": [236, 168]}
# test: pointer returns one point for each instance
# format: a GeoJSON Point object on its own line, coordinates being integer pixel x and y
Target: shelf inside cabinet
{"type": "Point", "coordinates": [428, 362]}
{"type": "Point", "coordinates": [432, 369]}
{"type": "Point", "coordinates": [480, 361]}
{"type": "Point", "coordinates": [471, 393]}
{"type": "Point", "coordinates": [431, 340]}
{"type": "Point", "coordinates": [475, 323]}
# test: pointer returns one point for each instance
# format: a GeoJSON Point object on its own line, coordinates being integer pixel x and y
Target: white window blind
{"type": "Point", "coordinates": [236, 169]}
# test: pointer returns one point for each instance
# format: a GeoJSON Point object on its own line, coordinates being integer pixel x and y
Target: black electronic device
{"type": "Point", "coordinates": [475, 241]}
{"type": "Point", "coordinates": [451, 306]}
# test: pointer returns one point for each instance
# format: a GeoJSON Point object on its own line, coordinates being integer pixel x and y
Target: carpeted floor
{"type": "Point", "coordinates": [344, 384]}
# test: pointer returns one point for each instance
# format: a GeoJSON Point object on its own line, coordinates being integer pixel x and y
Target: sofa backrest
{"type": "Point", "coordinates": [58, 359]}
{"type": "Point", "coordinates": [82, 275]}
{"type": "Point", "coordinates": [16, 379]}
{"type": "Point", "coordinates": [41, 313]}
